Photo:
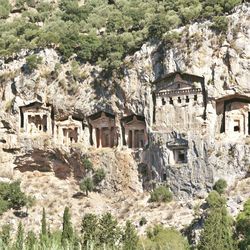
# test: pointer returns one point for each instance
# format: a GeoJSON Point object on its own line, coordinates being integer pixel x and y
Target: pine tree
{"type": "Point", "coordinates": [67, 233]}
{"type": "Point", "coordinates": [130, 237]}
{"type": "Point", "coordinates": [217, 233]}
{"type": "Point", "coordinates": [20, 237]}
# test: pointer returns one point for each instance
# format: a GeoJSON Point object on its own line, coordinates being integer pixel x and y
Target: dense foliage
{"type": "Point", "coordinates": [217, 233]}
{"type": "Point", "coordinates": [159, 237]}
{"type": "Point", "coordinates": [105, 232]}
{"type": "Point", "coordinates": [220, 186]}
{"type": "Point", "coordinates": [97, 232]}
{"type": "Point", "coordinates": [100, 31]}
{"type": "Point", "coordinates": [243, 227]}
{"type": "Point", "coordinates": [161, 194]}
{"type": "Point", "coordinates": [11, 196]}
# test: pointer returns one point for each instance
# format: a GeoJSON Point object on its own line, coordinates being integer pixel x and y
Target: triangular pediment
{"type": "Point", "coordinates": [179, 81]}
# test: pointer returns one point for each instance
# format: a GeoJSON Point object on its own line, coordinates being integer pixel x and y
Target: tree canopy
{"type": "Point", "coordinates": [99, 32]}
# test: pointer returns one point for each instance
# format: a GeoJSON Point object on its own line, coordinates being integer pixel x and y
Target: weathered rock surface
{"type": "Point", "coordinates": [223, 61]}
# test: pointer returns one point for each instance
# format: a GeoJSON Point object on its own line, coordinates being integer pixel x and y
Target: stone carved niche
{"type": "Point", "coordinates": [233, 115]}
{"type": "Point", "coordinates": [179, 102]}
{"type": "Point", "coordinates": [36, 118]}
{"type": "Point", "coordinates": [178, 148]}
{"type": "Point", "coordinates": [134, 132]}
{"type": "Point", "coordinates": [68, 131]}
{"type": "Point", "coordinates": [103, 130]}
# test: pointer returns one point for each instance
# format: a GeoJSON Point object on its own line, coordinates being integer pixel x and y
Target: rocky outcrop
{"type": "Point", "coordinates": [223, 62]}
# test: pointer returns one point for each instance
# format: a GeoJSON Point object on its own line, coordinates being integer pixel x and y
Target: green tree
{"type": "Point", "coordinates": [11, 196]}
{"type": "Point", "coordinates": [99, 176]}
{"type": "Point", "coordinates": [89, 227]}
{"type": "Point", "coordinates": [108, 230]}
{"type": "Point", "coordinates": [31, 240]}
{"type": "Point", "coordinates": [220, 186]}
{"type": "Point", "coordinates": [87, 185]}
{"type": "Point", "coordinates": [88, 165]}
{"type": "Point", "coordinates": [20, 237]}
{"type": "Point", "coordinates": [67, 233]}
{"type": "Point", "coordinates": [130, 238]}
{"type": "Point", "coordinates": [243, 227]}
{"type": "Point", "coordinates": [217, 233]}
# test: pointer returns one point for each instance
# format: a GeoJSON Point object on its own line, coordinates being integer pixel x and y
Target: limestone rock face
{"type": "Point", "coordinates": [188, 157]}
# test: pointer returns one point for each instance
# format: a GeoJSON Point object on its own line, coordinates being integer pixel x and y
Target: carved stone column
{"type": "Point", "coordinates": [133, 138]}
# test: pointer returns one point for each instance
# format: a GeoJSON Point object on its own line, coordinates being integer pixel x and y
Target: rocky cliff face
{"type": "Point", "coordinates": [81, 90]}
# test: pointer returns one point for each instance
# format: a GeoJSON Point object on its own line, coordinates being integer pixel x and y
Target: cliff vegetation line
{"type": "Point", "coordinates": [100, 32]}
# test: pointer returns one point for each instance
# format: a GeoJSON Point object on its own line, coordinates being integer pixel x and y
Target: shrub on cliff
{"type": "Point", "coordinates": [99, 176]}
{"type": "Point", "coordinates": [32, 62]}
{"type": "Point", "coordinates": [11, 196]}
{"type": "Point", "coordinates": [161, 194]}
{"type": "Point", "coordinates": [87, 185]}
{"type": "Point", "coordinates": [220, 186]}
{"type": "Point", "coordinates": [220, 24]}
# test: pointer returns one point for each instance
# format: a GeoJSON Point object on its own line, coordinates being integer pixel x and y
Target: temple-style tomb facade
{"type": "Point", "coordinates": [103, 130]}
{"type": "Point", "coordinates": [179, 100]}
{"type": "Point", "coordinates": [179, 148]}
{"type": "Point", "coordinates": [134, 135]}
{"type": "Point", "coordinates": [68, 131]}
{"type": "Point", "coordinates": [233, 114]}
{"type": "Point", "coordinates": [36, 118]}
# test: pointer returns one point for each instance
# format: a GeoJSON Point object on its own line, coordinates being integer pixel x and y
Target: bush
{"type": "Point", "coordinates": [172, 38]}
{"type": "Point", "coordinates": [130, 237]}
{"type": "Point", "coordinates": [87, 185]}
{"type": "Point", "coordinates": [11, 196]}
{"type": "Point", "coordinates": [220, 186]}
{"type": "Point", "coordinates": [159, 237]}
{"type": "Point", "coordinates": [161, 194]}
{"type": "Point", "coordinates": [88, 165]}
{"type": "Point", "coordinates": [220, 24]}
{"type": "Point", "coordinates": [215, 200]}
{"type": "Point", "coordinates": [5, 8]}
{"type": "Point", "coordinates": [99, 176]}
{"type": "Point", "coordinates": [32, 62]}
